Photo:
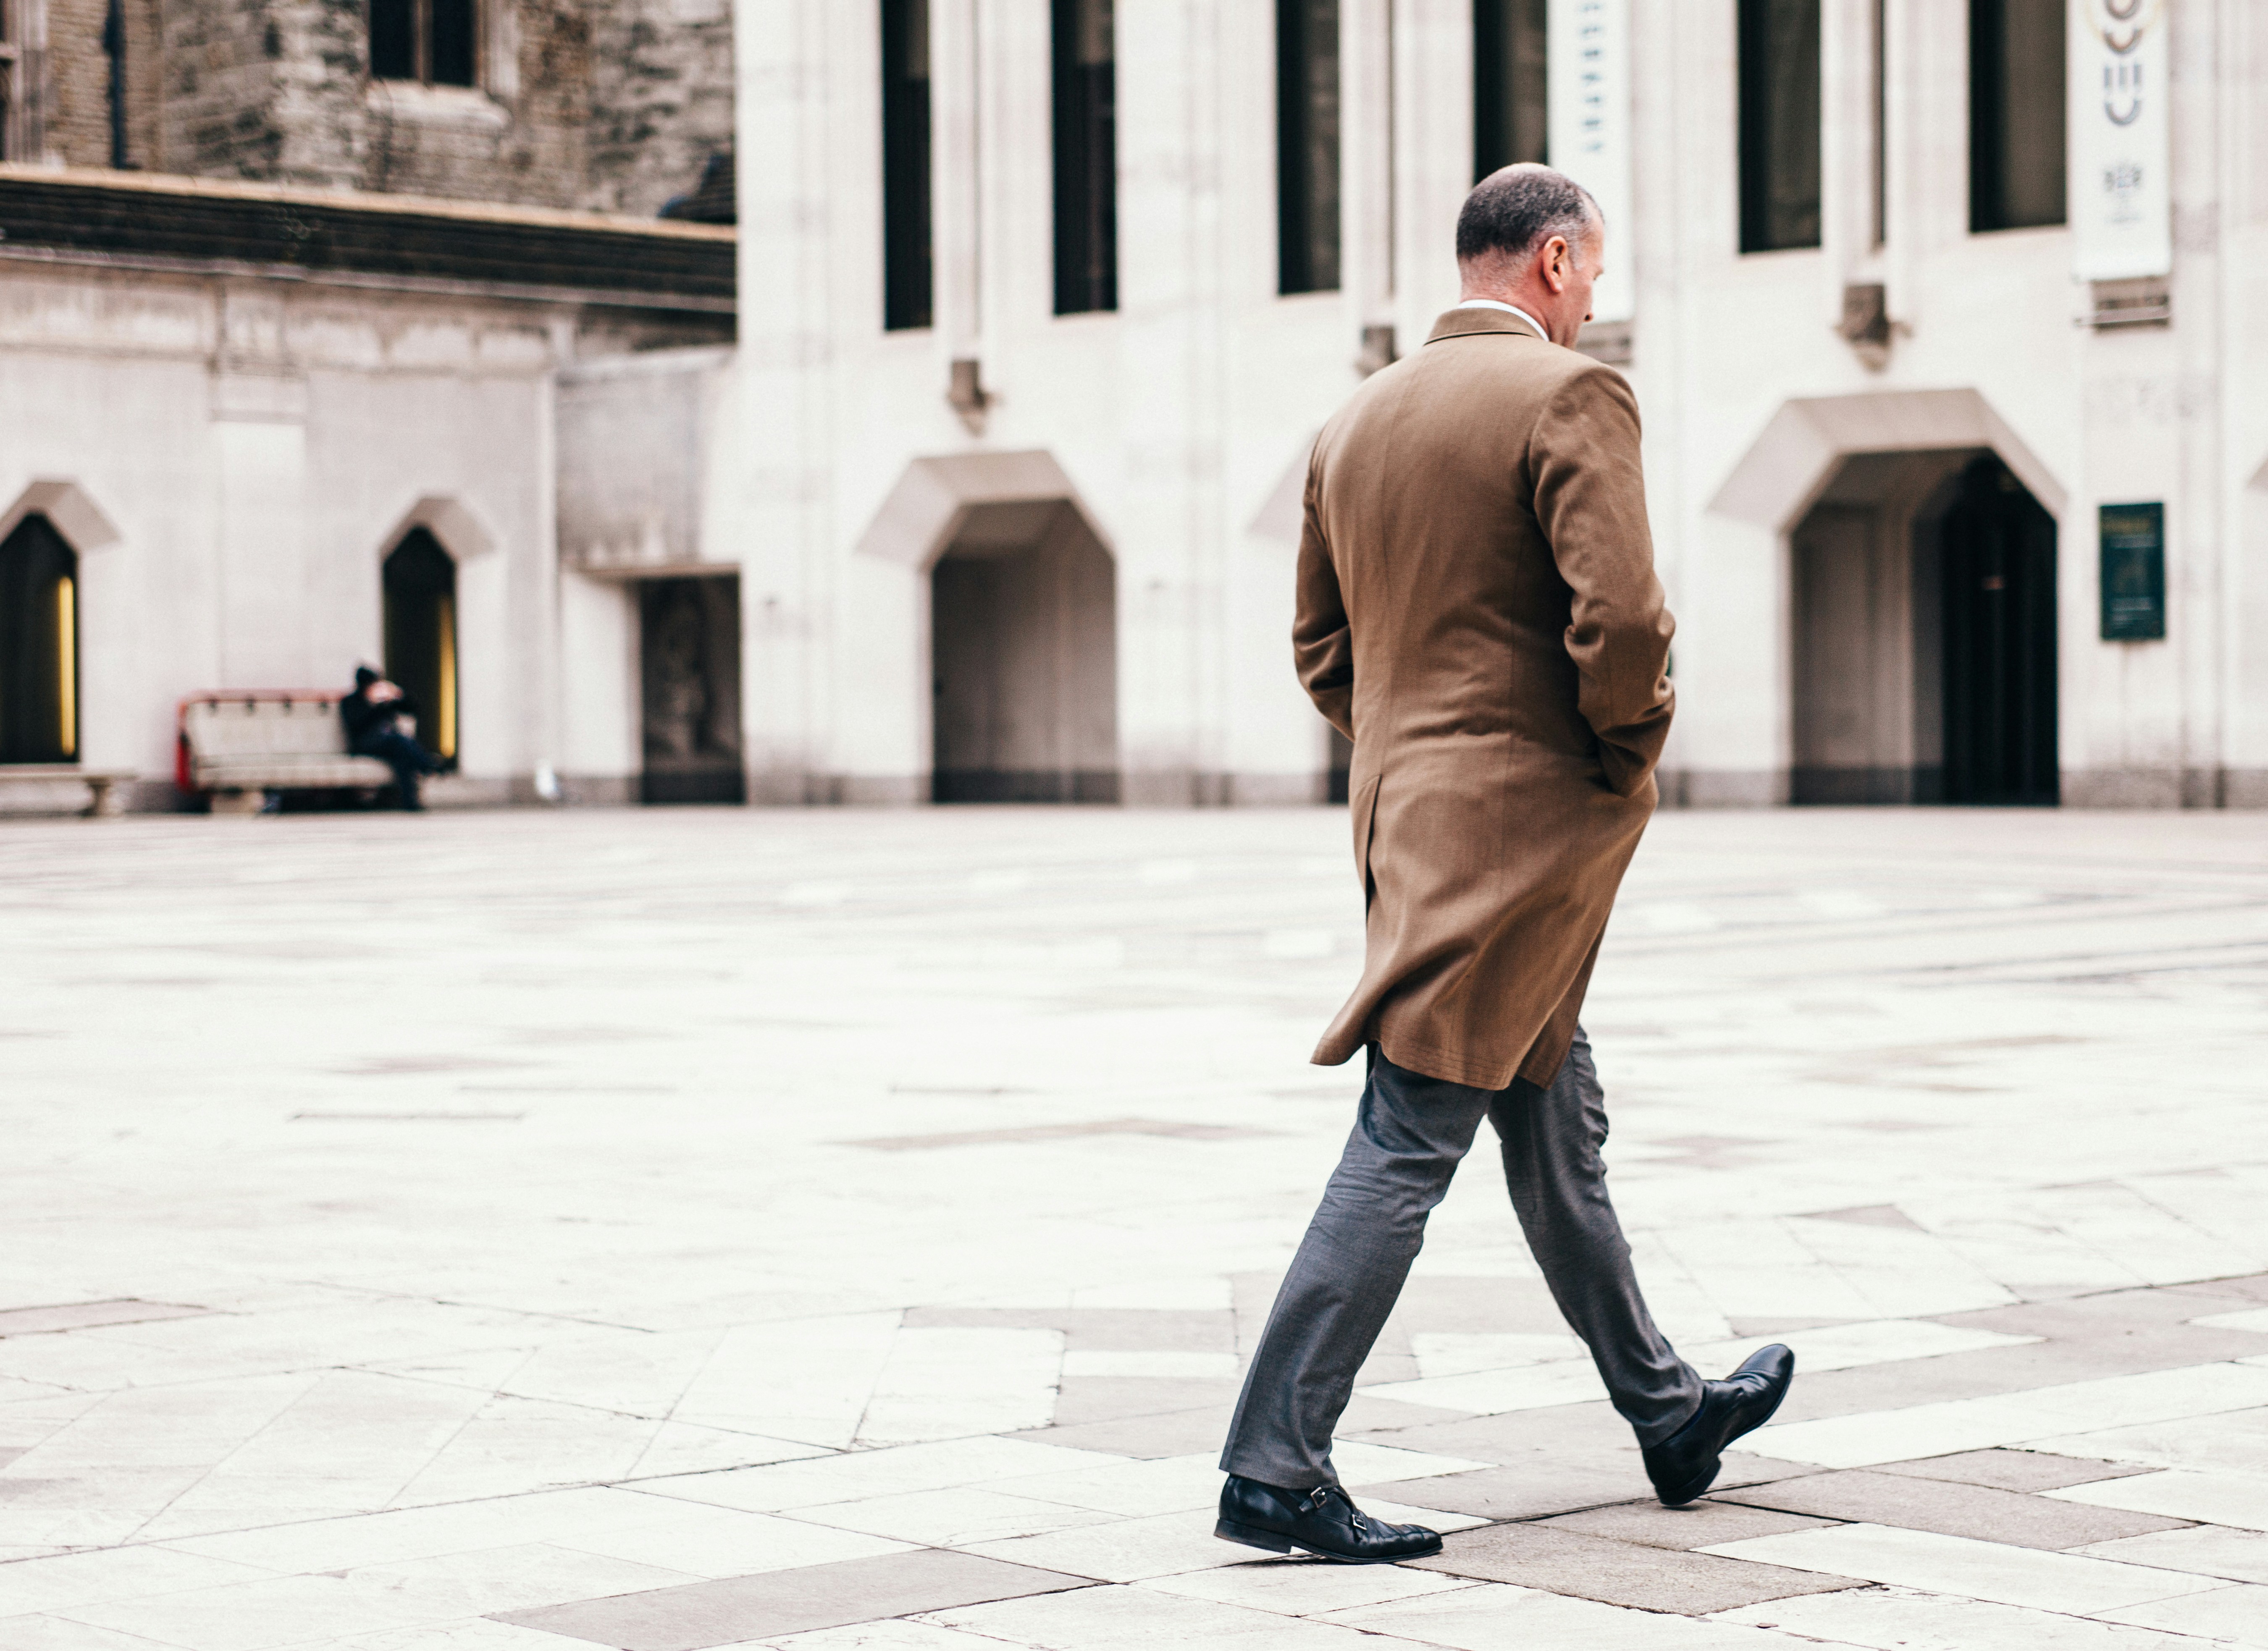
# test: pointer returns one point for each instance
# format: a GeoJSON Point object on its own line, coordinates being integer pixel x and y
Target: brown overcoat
{"type": "Point", "coordinates": [1478, 612]}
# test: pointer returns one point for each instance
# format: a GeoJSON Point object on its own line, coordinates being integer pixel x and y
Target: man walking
{"type": "Point", "coordinates": [1478, 612]}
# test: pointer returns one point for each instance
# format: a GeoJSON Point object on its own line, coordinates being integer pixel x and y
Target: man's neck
{"type": "Point", "coordinates": [1498, 301]}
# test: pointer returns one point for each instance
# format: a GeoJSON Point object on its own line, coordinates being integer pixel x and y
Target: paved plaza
{"type": "Point", "coordinates": [673, 1229]}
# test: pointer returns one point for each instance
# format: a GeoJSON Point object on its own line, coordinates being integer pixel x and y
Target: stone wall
{"type": "Point", "coordinates": [145, 34]}
{"type": "Point", "coordinates": [661, 100]}
{"type": "Point", "coordinates": [215, 88]}
{"type": "Point", "coordinates": [77, 112]}
{"type": "Point", "coordinates": [609, 104]}
{"type": "Point", "coordinates": [518, 137]}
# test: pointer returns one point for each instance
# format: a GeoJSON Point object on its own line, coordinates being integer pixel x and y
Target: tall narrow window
{"type": "Point", "coordinates": [420, 588]}
{"type": "Point", "coordinates": [113, 48]}
{"type": "Point", "coordinates": [39, 645]}
{"type": "Point", "coordinates": [1086, 157]}
{"type": "Point", "coordinates": [1307, 145]}
{"type": "Point", "coordinates": [2015, 114]}
{"type": "Point", "coordinates": [1880, 111]}
{"type": "Point", "coordinates": [1511, 84]}
{"type": "Point", "coordinates": [12, 146]}
{"type": "Point", "coordinates": [1779, 124]}
{"type": "Point", "coordinates": [908, 279]}
{"type": "Point", "coordinates": [436, 41]}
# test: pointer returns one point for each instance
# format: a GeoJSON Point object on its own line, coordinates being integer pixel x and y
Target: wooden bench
{"type": "Point", "coordinates": [98, 781]}
{"type": "Point", "coordinates": [239, 745]}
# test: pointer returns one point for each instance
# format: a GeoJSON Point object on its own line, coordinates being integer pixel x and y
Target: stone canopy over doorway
{"type": "Point", "coordinates": [1018, 589]}
{"type": "Point", "coordinates": [1910, 543]}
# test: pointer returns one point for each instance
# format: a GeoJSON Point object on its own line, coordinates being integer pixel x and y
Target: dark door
{"type": "Point", "coordinates": [421, 635]}
{"type": "Point", "coordinates": [2000, 598]}
{"type": "Point", "coordinates": [39, 645]}
{"type": "Point", "coordinates": [689, 671]}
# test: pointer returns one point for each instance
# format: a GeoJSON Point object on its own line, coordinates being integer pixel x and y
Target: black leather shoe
{"type": "Point", "coordinates": [1685, 1464]}
{"type": "Point", "coordinates": [1321, 1522]}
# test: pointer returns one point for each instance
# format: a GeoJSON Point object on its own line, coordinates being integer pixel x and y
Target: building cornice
{"type": "Point", "coordinates": [203, 227]}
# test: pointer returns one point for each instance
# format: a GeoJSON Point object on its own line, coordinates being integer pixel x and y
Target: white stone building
{"type": "Point", "coordinates": [1880, 438]}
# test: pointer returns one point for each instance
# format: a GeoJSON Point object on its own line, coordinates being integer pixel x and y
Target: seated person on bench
{"type": "Point", "coordinates": [374, 714]}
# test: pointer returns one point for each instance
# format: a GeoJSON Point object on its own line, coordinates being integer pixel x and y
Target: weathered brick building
{"type": "Point", "coordinates": [610, 106]}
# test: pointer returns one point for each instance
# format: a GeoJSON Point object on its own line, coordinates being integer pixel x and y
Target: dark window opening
{"type": "Point", "coordinates": [1511, 84]}
{"type": "Point", "coordinates": [114, 47]}
{"type": "Point", "coordinates": [908, 272]}
{"type": "Point", "coordinates": [13, 145]}
{"type": "Point", "coordinates": [1307, 145]}
{"type": "Point", "coordinates": [1085, 157]}
{"type": "Point", "coordinates": [2015, 114]}
{"type": "Point", "coordinates": [1779, 124]}
{"type": "Point", "coordinates": [435, 41]}
{"type": "Point", "coordinates": [39, 645]}
{"type": "Point", "coordinates": [420, 589]}
{"type": "Point", "coordinates": [1879, 113]}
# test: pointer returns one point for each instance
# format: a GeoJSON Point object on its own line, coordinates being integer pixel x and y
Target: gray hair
{"type": "Point", "coordinates": [1514, 210]}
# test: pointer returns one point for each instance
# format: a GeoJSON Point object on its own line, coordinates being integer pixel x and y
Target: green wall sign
{"type": "Point", "coordinates": [2133, 572]}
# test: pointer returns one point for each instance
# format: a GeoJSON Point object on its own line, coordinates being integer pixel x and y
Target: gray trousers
{"type": "Point", "coordinates": [1408, 1137]}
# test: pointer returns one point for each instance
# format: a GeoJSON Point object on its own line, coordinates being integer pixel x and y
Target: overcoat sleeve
{"type": "Point", "coordinates": [1320, 646]}
{"type": "Point", "coordinates": [1590, 503]}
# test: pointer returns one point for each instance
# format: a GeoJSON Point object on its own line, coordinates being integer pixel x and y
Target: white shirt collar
{"type": "Point", "coordinates": [1541, 331]}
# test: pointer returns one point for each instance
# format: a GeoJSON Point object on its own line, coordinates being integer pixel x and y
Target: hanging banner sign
{"type": "Point", "coordinates": [2121, 187]}
{"type": "Point", "coordinates": [1589, 65]}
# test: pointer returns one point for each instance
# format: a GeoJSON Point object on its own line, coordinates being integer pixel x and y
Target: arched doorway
{"type": "Point", "coordinates": [1923, 590]}
{"type": "Point", "coordinates": [420, 588]}
{"type": "Point", "coordinates": [1024, 659]}
{"type": "Point", "coordinates": [39, 645]}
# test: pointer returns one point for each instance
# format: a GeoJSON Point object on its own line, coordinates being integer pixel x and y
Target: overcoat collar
{"type": "Point", "coordinates": [1458, 323]}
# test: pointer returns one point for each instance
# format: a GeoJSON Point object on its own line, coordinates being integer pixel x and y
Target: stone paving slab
{"type": "Point", "coordinates": [1913, 1620]}
{"type": "Point", "coordinates": [2076, 1584]}
{"type": "Point", "coordinates": [1532, 1490]}
{"type": "Point", "coordinates": [2013, 1470]}
{"type": "Point", "coordinates": [2224, 1439]}
{"type": "Point", "coordinates": [1494, 1617]}
{"type": "Point", "coordinates": [1592, 1430]}
{"type": "Point", "coordinates": [1116, 1330]}
{"type": "Point", "coordinates": [2114, 1345]}
{"type": "Point", "coordinates": [2242, 1556]}
{"type": "Point", "coordinates": [1949, 1508]}
{"type": "Point", "coordinates": [1081, 1399]}
{"type": "Point", "coordinates": [1143, 1618]}
{"type": "Point", "coordinates": [2217, 1496]}
{"type": "Point", "coordinates": [1617, 1572]}
{"type": "Point", "coordinates": [1713, 1519]}
{"type": "Point", "coordinates": [697, 1616]}
{"type": "Point", "coordinates": [1168, 1433]}
{"type": "Point", "coordinates": [2254, 1289]}
{"type": "Point", "coordinates": [1306, 1587]}
{"type": "Point", "coordinates": [2228, 1616]}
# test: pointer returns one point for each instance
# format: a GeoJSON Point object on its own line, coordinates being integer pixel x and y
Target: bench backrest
{"type": "Point", "coordinates": [264, 726]}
